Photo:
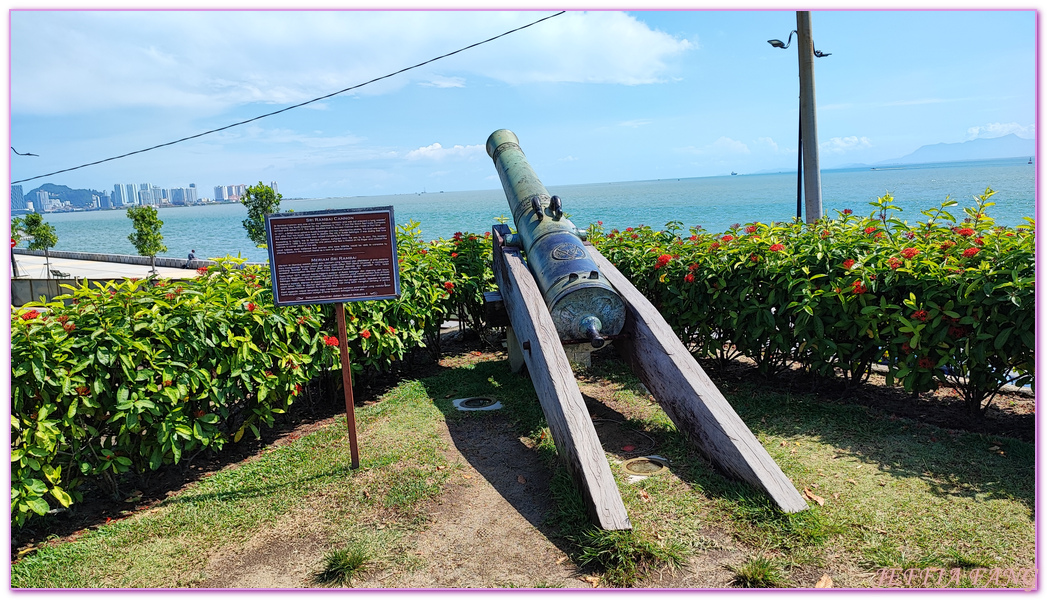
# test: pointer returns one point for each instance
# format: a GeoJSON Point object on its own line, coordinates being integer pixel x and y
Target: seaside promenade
{"type": "Point", "coordinates": [34, 267]}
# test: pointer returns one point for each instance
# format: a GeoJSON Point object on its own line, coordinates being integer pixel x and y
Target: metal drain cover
{"type": "Point", "coordinates": [477, 403]}
{"type": "Point", "coordinates": [644, 466]}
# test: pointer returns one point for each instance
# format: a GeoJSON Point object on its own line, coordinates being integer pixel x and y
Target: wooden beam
{"type": "Point", "coordinates": [690, 399]}
{"type": "Point", "coordinates": [569, 422]}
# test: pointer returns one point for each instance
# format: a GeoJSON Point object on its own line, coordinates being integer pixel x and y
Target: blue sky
{"type": "Point", "coordinates": [594, 96]}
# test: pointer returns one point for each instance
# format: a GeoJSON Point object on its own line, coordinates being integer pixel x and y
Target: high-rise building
{"type": "Point", "coordinates": [17, 199]}
{"type": "Point", "coordinates": [276, 190]}
{"type": "Point", "coordinates": [219, 193]}
{"type": "Point", "coordinates": [119, 195]}
{"type": "Point", "coordinates": [145, 197]}
{"type": "Point", "coordinates": [132, 194]}
{"type": "Point", "coordinates": [43, 201]}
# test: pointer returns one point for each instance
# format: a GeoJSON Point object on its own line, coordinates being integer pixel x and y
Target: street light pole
{"type": "Point", "coordinates": [808, 118]}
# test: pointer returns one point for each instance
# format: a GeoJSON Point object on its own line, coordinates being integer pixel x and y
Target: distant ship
{"type": "Point", "coordinates": [1030, 160]}
{"type": "Point", "coordinates": [733, 173]}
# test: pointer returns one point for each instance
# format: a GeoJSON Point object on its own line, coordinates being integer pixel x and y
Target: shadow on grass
{"type": "Point", "coordinates": [951, 463]}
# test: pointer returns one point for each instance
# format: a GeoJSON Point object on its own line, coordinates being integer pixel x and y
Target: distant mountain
{"type": "Point", "coordinates": [78, 198]}
{"type": "Point", "coordinates": [979, 149]}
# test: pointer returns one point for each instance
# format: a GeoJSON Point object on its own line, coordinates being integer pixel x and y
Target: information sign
{"type": "Point", "coordinates": [333, 256]}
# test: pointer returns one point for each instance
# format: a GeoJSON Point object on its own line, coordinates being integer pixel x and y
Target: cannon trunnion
{"type": "Point", "coordinates": [581, 301]}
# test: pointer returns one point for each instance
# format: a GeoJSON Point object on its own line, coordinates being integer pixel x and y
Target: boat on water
{"type": "Point", "coordinates": [1030, 160]}
{"type": "Point", "coordinates": [733, 173]}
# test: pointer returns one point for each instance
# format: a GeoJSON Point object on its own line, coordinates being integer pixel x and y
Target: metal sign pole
{"type": "Point", "coordinates": [347, 383]}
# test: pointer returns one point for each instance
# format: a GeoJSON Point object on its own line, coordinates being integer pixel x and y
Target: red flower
{"type": "Point", "coordinates": [906, 348]}
{"type": "Point", "coordinates": [689, 278]}
{"type": "Point", "coordinates": [754, 258]}
{"type": "Point", "coordinates": [858, 287]}
{"type": "Point", "coordinates": [692, 267]}
{"type": "Point", "coordinates": [297, 389]}
{"type": "Point", "coordinates": [909, 252]}
{"type": "Point", "coordinates": [169, 296]}
{"type": "Point", "coordinates": [925, 362]}
{"type": "Point", "coordinates": [970, 252]}
{"type": "Point", "coordinates": [870, 229]}
{"type": "Point", "coordinates": [777, 247]}
{"type": "Point", "coordinates": [201, 271]}
{"type": "Point", "coordinates": [727, 238]}
{"type": "Point", "coordinates": [847, 211]}
{"type": "Point", "coordinates": [168, 383]}
{"type": "Point", "coordinates": [69, 327]}
{"type": "Point", "coordinates": [365, 334]}
{"type": "Point", "coordinates": [448, 285]}
{"type": "Point", "coordinates": [628, 228]}
{"type": "Point", "coordinates": [965, 231]}
{"type": "Point", "coordinates": [910, 234]}
{"type": "Point", "coordinates": [634, 236]}
{"type": "Point", "coordinates": [750, 229]}
{"type": "Point", "coordinates": [83, 390]}
{"type": "Point", "coordinates": [599, 223]}
{"type": "Point", "coordinates": [662, 261]}
{"type": "Point", "coordinates": [301, 320]}
{"type": "Point", "coordinates": [847, 264]}
{"type": "Point", "coordinates": [454, 255]}
{"type": "Point", "coordinates": [825, 233]}
{"type": "Point", "coordinates": [62, 318]}
{"type": "Point", "coordinates": [392, 330]}
{"type": "Point", "coordinates": [879, 234]}
{"type": "Point", "coordinates": [714, 245]}
{"type": "Point", "coordinates": [457, 235]}
{"type": "Point", "coordinates": [919, 315]}
{"type": "Point", "coordinates": [251, 306]}
{"type": "Point", "coordinates": [894, 263]}
{"type": "Point", "coordinates": [979, 241]}
{"type": "Point", "coordinates": [693, 238]}
{"type": "Point", "coordinates": [948, 244]}
{"type": "Point", "coordinates": [32, 314]}
{"type": "Point", "coordinates": [423, 251]}
{"type": "Point", "coordinates": [330, 340]}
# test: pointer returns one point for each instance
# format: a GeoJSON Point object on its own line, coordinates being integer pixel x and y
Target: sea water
{"type": "Point", "coordinates": [714, 203]}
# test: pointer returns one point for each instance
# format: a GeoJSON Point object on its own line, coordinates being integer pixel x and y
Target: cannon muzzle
{"type": "Point", "coordinates": [581, 301]}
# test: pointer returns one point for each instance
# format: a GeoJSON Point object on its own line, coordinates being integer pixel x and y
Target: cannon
{"type": "Point", "coordinates": [582, 303]}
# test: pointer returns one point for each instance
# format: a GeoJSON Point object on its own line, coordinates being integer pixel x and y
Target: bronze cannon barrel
{"type": "Point", "coordinates": [581, 301]}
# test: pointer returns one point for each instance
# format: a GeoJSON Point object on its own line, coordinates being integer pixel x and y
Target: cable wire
{"type": "Point", "coordinates": [287, 108]}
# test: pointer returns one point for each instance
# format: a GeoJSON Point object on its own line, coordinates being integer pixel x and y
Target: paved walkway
{"type": "Point", "coordinates": [33, 267]}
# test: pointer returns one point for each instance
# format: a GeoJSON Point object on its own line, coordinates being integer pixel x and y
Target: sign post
{"type": "Point", "coordinates": [334, 257]}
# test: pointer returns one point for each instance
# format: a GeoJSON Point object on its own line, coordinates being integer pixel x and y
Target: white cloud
{"type": "Point", "coordinates": [724, 145]}
{"type": "Point", "coordinates": [766, 141]}
{"type": "Point", "coordinates": [840, 145]}
{"type": "Point", "coordinates": [444, 82]}
{"type": "Point", "coordinates": [436, 151]}
{"type": "Point", "coordinates": [994, 130]}
{"type": "Point", "coordinates": [568, 158]}
{"type": "Point", "coordinates": [635, 123]}
{"type": "Point", "coordinates": [210, 60]}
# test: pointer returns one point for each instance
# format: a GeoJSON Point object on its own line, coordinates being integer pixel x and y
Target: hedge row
{"type": "Point", "coordinates": [936, 301]}
{"type": "Point", "coordinates": [141, 373]}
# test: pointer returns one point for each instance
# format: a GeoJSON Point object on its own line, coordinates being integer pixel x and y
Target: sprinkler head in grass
{"type": "Point", "coordinates": [477, 403]}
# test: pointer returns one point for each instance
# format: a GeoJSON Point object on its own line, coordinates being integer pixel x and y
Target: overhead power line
{"type": "Point", "coordinates": [300, 104]}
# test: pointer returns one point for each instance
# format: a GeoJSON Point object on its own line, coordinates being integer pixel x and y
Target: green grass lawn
{"type": "Point", "coordinates": [896, 493]}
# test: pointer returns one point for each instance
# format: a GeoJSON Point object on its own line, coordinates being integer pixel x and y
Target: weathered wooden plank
{"type": "Point", "coordinates": [572, 429]}
{"type": "Point", "coordinates": [690, 398]}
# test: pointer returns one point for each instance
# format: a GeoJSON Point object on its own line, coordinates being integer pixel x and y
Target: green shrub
{"type": "Point", "coordinates": [136, 374]}
{"type": "Point", "coordinates": [937, 301]}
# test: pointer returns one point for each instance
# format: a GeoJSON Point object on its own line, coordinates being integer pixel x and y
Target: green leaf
{"type": "Point", "coordinates": [38, 505]}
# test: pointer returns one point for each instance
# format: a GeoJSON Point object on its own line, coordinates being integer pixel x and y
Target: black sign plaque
{"type": "Point", "coordinates": [333, 256]}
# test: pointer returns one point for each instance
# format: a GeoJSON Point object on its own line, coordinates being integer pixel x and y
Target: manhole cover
{"type": "Point", "coordinates": [644, 465]}
{"type": "Point", "coordinates": [477, 403]}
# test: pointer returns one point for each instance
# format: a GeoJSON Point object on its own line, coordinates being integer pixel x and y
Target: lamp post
{"type": "Point", "coordinates": [807, 154]}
